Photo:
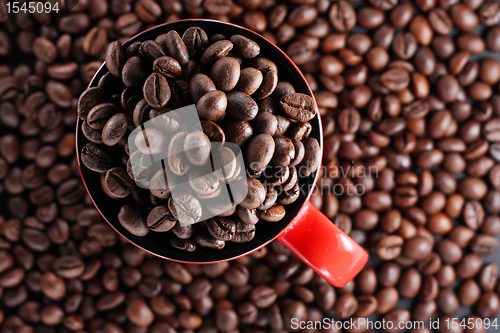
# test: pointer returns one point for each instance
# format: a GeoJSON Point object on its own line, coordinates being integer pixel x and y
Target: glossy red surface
{"type": "Point", "coordinates": [323, 246]}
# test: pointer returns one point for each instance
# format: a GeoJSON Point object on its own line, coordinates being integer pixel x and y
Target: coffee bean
{"type": "Point", "coordinates": [260, 152]}
{"type": "Point", "coordinates": [114, 129]}
{"type": "Point", "coordinates": [395, 79]}
{"type": "Point", "coordinates": [150, 141]}
{"type": "Point", "coordinates": [156, 90]}
{"type": "Point", "coordinates": [483, 244]}
{"type": "Point", "coordinates": [131, 219]}
{"type": "Point", "coordinates": [59, 93]}
{"type": "Point", "coordinates": [270, 76]}
{"type": "Point", "coordinates": [68, 267]}
{"type": "Point", "coordinates": [94, 41]}
{"type": "Point", "coordinates": [204, 184]}
{"type": "Point", "coordinates": [197, 148]}
{"type": "Point", "coordinates": [199, 85]}
{"type": "Point", "coordinates": [185, 208]}
{"type": "Point", "coordinates": [299, 107]}
{"type": "Point", "coordinates": [117, 183]}
{"type": "Point", "coordinates": [183, 244]}
{"type": "Point", "coordinates": [44, 50]}
{"type": "Point", "coordinates": [216, 51]}
{"type": "Point", "coordinates": [342, 16]}
{"type": "Point", "coordinates": [225, 73]}
{"type": "Point", "coordinates": [195, 40]}
{"type": "Point", "coordinates": [273, 214]}
{"type": "Point", "coordinates": [488, 277]}
{"type": "Point", "coordinates": [89, 99]}
{"type": "Point", "coordinates": [176, 47]}
{"type": "Point", "coordinates": [404, 45]}
{"type": "Point", "coordinates": [221, 228]}
{"type": "Point", "coordinates": [212, 105]}
{"type": "Point", "coordinates": [100, 114]}
{"type": "Point", "coordinates": [115, 59]}
{"type": "Point", "coordinates": [464, 18]}
{"type": "Point", "coordinates": [243, 233]}
{"type": "Point", "coordinates": [206, 240]}
{"type": "Point", "coordinates": [225, 165]}
{"type": "Point", "coordinates": [52, 286]}
{"type": "Point", "coordinates": [139, 313]}
{"type": "Point", "coordinates": [255, 195]}
{"type": "Point", "coordinates": [245, 47]}
{"type": "Point", "coordinates": [488, 305]}
{"type": "Point", "coordinates": [160, 219]}
{"type": "Point", "coordinates": [213, 132]}
{"type": "Point", "coordinates": [241, 106]}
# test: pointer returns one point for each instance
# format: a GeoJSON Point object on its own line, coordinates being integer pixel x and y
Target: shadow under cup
{"type": "Point", "coordinates": [265, 232]}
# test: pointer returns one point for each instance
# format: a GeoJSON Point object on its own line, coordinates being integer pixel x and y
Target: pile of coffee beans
{"type": "Point", "coordinates": [239, 99]}
{"type": "Point", "coordinates": [408, 87]}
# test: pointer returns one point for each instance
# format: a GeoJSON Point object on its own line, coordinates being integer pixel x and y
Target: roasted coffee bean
{"type": "Point", "coordinates": [132, 220]}
{"type": "Point", "coordinates": [160, 219]}
{"type": "Point", "coordinates": [195, 39]}
{"type": "Point", "coordinates": [183, 244]}
{"type": "Point", "coordinates": [204, 184]}
{"type": "Point", "coordinates": [221, 228]}
{"type": "Point", "coordinates": [246, 48]}
{"type": "Point", "coordinates": [488, 277]}
{"type": "Point", "coordinates": [483, 244]}
{"type": "Point", "coordinates": [99, 115]}
{"type": "Point", "coordinates": [94, 41]}
{"type": "Point", "coordinates": [299, 107]}
{"type": "Point", "coordinates": [244, 232]}
{"type": "Point", "coordinates": [260, 151]}
{"type": "Point", "coordinates": [206, 240]}
{"type": "Point", "coordinates": [342, 16]}
{"type": "Point", "coordinates": [196, 147]}
{"type": "Point", "coordinates": [185, 208]}
{"type": "Point", "coordinates": [216, 51]}
{"type": "Point", "coordinates": [312, 157]}
{"type": "Point", "coordinates": [270, 74]}
{"type": "Point", "coordinates": [241, 106]}
{"type": "Point", "coordinates": [167, 66]}
{"type": "Point", "coordinates": [151, 50]}
{"type": "Point", "coordinates": [133, 72]}
{"type": "Point", "coordinates": [273, 214]}
{"type": "Point", "coordinates": [118, 183]}
{"type": "Point", "coordinates": [395, 79]}
{"type": "Point", "coordinates": [224, 164]}
{"type": "Point", "coordinates": [212, 105]}
{"type": "Point", "coordinates": [156, 90]}
{"type": "Point", "coordinates": [150, 141]}
{"type": "Point", "coordinates": [176, 47]}
{"type": "Point", "coordinates": [115, 58]}
{"type": "Point", "coordinates": [225, 73]}
{"type": "Point", "coordinates": [68, 267]}
{"type": "Point", "coordinates": [95, 158]}
{"type": "Point", "coordinates": [213, 132]}
{"type": "Point", "coordinates": [255, 195]}
{"type": "Point", "coordinates": [114, 130]}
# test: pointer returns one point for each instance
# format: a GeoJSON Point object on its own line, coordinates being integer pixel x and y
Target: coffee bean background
{"type": "Point", "coordinates": [429, 220]}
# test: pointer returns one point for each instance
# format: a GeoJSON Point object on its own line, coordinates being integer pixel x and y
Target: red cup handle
{"type": "Point", "coordinates": [323, 246]}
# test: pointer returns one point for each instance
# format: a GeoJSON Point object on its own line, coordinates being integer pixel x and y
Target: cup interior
{"type": "Point", "coordinates": [157, 243]}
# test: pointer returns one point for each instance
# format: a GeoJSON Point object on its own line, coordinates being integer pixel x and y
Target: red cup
{"type": "Point", "coordinates": [304, 229]}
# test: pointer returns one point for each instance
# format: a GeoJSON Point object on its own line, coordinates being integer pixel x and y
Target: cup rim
{"type": "Point", "coordinates": [292, 66]}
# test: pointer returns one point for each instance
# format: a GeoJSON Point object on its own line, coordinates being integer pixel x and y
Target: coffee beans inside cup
{"type": "Point", "coordinates": [140, 136]}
